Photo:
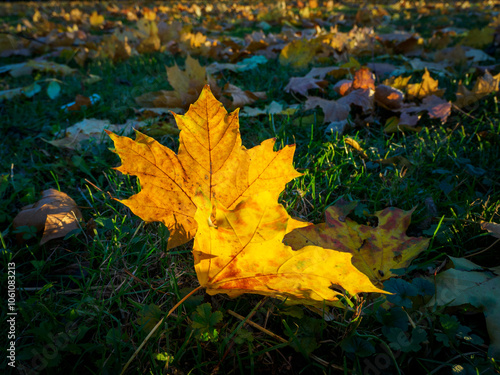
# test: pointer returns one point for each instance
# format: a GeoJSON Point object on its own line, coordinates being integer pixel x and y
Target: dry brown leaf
{"type": "Point", "coordinates": [56, 214]}
{"type": "Point", "coordinates": [92, 129]}
{"type": "Point", "coordinates": [302, 85]}
{"type": "Point", "coordinates": [240, 97]}
{"type": "Point", "coordinates": [492, 228]}
{"type": "Point", "coordinates": [389, 97]}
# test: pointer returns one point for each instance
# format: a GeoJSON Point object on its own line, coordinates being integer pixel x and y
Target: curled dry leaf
{"type": "Point", "coordinates": [435, 107]}
{"type": "Point", "coordinates": [375, 250]}
{"type": "Point", "coordinates": [302, 85]}
{"type": "Point", "coordinates": [389, 97]}
{"type": "Point", "coordinates": [492, 228]}
{"type": "Point", "coordinates": [56, 214]}
{"type": "Point", "coordinates": [244, 253]}
{"type": "Point", "coordinates": [240, 97]}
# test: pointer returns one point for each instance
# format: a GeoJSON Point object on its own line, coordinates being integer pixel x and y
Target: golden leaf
{"type": "Point", "coordinates": [244, 253]}
{"type": "Point", "coordinates": [96, 19]}
{"type": "Point", "coordinates": [210, 158]}
{"type": "Point", "coordinates": [428, 86]}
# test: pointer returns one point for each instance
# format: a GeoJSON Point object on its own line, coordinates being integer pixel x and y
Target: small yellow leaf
{"type": "Point", "coordinates": [96, 19]}
{"type": "Point", "coordinates": [427, 87]}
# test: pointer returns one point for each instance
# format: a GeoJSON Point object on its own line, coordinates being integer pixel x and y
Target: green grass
{"type": "Point", "coordinates": [86, 303]}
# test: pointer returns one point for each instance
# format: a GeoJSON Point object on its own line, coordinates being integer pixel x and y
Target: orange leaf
{"type": "Point", "coordinates": [210, 158]}
{"type": "Point", "coordinates": [375, 250]}
{"type": "Point", "coordinates": [244, 253]}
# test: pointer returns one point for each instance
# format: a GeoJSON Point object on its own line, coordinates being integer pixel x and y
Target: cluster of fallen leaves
{"type": "Point", "coordinates": [311, 36]}
{"type": "Point", "coordinates": [224, 195]}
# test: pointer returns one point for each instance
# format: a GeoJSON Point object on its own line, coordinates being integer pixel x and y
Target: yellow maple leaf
{"type": "Point", "coordinates": [96, 19]}
{"type": "Point", "coordinates": [428, 86]}
{"type": "Point", "coordinates": [210, 158]}
{"type": "Point", "coordinates": [244, 253]}
{"type": "Point", "coordinates": [375, 250]}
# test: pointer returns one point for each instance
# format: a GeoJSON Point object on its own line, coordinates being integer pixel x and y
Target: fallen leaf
{"type": "Point", "coordinates": [405, 123]}
{"type": "Point", "coordinates": [434, 106]}
{"type": "Point", "coordinates": [302, 85]}
{"type": "Point", "coordinates": [210, 158]}
{"type": "Point", "coordinates": [399, 83]}
{"type": "Point", "coordinates": [273, 108]}
{"type": "Point", "coordinates": [375, 250]}
{"type": "Point", "coordinates": [298, 53]}
{"type": "Point", "coordinates": [334, 110]}
{"type": "Point", "coordinates": [399, 42]}
{"type": "Point", "coordinates": [96, 19]}
{"type": "Point", "coordinates": [115, 49]}
{"type": "Point", "coordinates": [56, 214]}
{"type": "Point", "coordinates": [91, 129]}
{"type": "Point", "coordinates": [187, 85]}
{"type": "Point", "coordinates": [389, 97]}
{"type": "Point", "coordinates": [363, 79]}
{"type": "Point", "coordinates": [355, 145]}
{"type": "Point", "coordinates": [240, 97]}
{"type": "Point", "coordinates": [27, 68]}
{"type": "Point", "coordinates": [381, 69]}
{"type": "Point", "coordinates": [483, 86]}
{"type": "Point", "coordinates": [244, 253]}
{"type": "Point", "coordinates": [241, 66]}
{"type": "Point", "coordinates": [53, 90]}
{"type": "Point", "coordinates": [479, 38]}
{"type": "Point", "coordinates": [468, 283]}
{"type": "Point", "coordinates": [427, 87]}
{"type": "Point", "coordinates": [11, 93]}
{"type": "Point", "coordinates": [334, 71]}
{"type": "Point", "coordinates": [492, 228]}
{"type": "Point", "coordinates": [81, 101]}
